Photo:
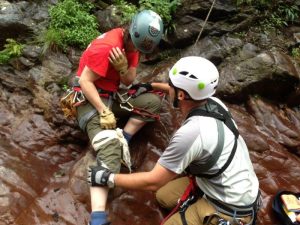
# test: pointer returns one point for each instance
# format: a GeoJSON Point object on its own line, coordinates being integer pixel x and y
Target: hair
{"type": "Point", "coordinates": [126, 36]}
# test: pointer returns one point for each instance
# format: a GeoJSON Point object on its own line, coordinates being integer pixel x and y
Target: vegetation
{"type": "Point", "coordinates": [276, 13]}
{"type": "Point", "coordinates": [165, 8]}
{"type": "Point", "coordinates": [296, 53]}
{"type": "Point", "coordinates": [127, 10]}
{"type": "Point", "coordinates": [11, 49]}
{"type": "Point", "coordinates": [71, 25]}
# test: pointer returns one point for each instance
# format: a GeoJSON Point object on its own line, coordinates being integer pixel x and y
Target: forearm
{"type": "Point", "coordinates": [160, 86]}
{"type": "Point", "coordinates": [137, 181]}
{"type": "Point", "coordinates": [86, 82]}
{"type": "Point", "coordinates": [129, 77]}
{"type": "Point", "coordinates": [150, 181]}
{"type": "Point", "coordinates": [92, 95]}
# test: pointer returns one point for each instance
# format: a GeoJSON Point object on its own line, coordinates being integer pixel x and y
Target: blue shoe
{"type": "Point", "coordinates": [98, 218]}
{"type": "Point", "coordinates": [108, 223]}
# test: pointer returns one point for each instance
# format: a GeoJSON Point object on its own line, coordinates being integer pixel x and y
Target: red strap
{"type": "Point", "coordinates": [145, 113]}
{"type": "Point", "coordinates": [188, 191]}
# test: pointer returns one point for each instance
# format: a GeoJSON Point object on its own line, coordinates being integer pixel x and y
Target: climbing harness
{"type": "Point", "coordinates": [125, 104]}
{"type": "Point", "coordinates": [220, 221]}
{"type": "Point", "coordinates": [221, 116]}
{"type": "Point", "coordinates": [215, 110]}
{"type": "Point", "coordinates": [188, 197]}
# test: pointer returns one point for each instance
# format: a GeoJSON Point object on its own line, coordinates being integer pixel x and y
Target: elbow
{"type": "Point", "coordinates": [128, 81]}
{"type": "Point", "coordinates": [80, 81]}
{"type": "Point", "coordinates": [154, 186]}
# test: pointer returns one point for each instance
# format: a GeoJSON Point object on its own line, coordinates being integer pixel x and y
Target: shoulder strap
{"type": "Point", "coordinates": [224, 116]}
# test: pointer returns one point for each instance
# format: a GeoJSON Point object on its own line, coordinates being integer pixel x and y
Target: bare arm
{"type": "Point", "coordinates": [86, 82]}
{"type": "Point", "coordinates": [129, 77]}
{"type": "Point", "coordinates": [150, 181]}
{"type": "Point", "coordinates": [160, 86]}
{"type": "Point", "coordinates": [119, 61]}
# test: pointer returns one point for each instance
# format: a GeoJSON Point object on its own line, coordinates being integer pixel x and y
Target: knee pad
{"type": "Point", "coordinates": [104, 136]}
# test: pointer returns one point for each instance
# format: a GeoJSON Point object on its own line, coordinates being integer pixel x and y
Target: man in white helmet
{"type": "Point", "coordinates": [110, 60]}
{"type": "Point", "coordinates": [222, 187]}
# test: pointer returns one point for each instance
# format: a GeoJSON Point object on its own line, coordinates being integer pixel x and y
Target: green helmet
{"type": "Point", "coordinates": [146, 30]}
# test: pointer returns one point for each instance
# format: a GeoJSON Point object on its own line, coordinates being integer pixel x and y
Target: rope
{"type": "Point", "coordinates": [208, 14]}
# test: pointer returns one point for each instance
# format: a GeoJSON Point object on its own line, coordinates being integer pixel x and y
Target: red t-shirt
{"type": "Point", "coordinates": [95, 57]}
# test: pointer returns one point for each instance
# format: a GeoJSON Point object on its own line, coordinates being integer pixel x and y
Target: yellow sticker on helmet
{"type": "Point", "coordinates": [201, 86]}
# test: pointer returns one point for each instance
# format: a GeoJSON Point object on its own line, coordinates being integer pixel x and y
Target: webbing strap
{"type": "Point", "coordinates": [145, 113]}
{"type": "Point", "coordinates": [224, 116]}
{"type": "Point", "coordinates": [216, 153]}
{"type": "Point", "coordinates": [85, 118]}
{"type": "Point", "coordinates": [189, 191]}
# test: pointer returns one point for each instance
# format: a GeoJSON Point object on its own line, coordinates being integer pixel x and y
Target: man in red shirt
{"type": "Point", "coordinates": [109, 60]}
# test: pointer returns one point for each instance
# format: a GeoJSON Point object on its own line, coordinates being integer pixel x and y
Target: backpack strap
{"type": "Point", "coordinates": [222, 116]}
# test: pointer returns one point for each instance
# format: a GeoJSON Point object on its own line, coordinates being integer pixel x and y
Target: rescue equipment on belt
{"type": "Point", "coordinates": [125, 104]}
{"type": "Point", "coordinates": [70, 101]}
{"type": "Point", "coordinates": [193, 192]}
{"type": "Point", "coordinates": [188, 197]}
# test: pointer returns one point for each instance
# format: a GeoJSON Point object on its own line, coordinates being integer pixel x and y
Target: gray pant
{"type": "Point", "coordinates": [111, 152]}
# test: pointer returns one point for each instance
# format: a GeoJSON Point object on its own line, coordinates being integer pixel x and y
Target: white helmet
{"type": "Point", "coordinates": [196, 75]}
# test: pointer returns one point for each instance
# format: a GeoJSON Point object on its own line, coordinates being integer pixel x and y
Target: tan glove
{"type": "Point", "coordinates": [119, 61]}
{"type": "Point", "coordinates": [107, 120]}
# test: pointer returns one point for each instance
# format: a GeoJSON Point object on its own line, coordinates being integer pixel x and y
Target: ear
{"type": "Point", "coordinates": [181, 95]}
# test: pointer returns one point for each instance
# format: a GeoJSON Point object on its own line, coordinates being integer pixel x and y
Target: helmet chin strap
{"type": "Point", "coordinates": [175, 101]}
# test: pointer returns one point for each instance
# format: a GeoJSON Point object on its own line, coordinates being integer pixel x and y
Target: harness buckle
{"type": "Point", "coordinates": [186, 203]}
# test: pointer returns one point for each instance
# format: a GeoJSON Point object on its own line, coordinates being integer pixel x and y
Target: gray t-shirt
{"type": "Point", "coordinates": [194, 141]}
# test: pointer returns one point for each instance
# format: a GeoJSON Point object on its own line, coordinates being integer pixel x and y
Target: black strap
{"type": "Point", "coordinates": [239, 211]}
{"type": "Point", "coordinates": [182, 216]}
{"type": "Point", "coordinates": [224, 116]}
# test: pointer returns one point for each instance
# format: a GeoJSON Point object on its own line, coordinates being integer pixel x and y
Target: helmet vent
{"type": "Point", "coordinates": [184, 73]}
{"type": "Point", "coordinates": [193, 76]}
{"type": "Point", "coordinates": [214, 81]}
{"type": "Point", "coordinates": [136, 34]}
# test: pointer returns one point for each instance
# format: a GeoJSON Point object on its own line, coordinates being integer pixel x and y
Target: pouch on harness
{"type": "Point", "coordinates": [215, 110]}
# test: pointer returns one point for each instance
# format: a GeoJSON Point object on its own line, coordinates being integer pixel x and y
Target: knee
{"type": "Point", "coordinates": [155, 103]}
{"type": "Point", "coordinates": [109, 150]}
{"type": "Point", "coordinates": [161, 199]}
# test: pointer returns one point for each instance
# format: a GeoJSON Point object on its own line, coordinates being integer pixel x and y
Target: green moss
{"type": "Point", "coordinates": [11, 49]}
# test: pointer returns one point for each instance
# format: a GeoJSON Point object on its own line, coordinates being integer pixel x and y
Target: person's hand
{"type": "Point", "coordinates": [107, 120]}
{"type": "Point", "coordinates": [118, 60]}
{"type": "Point", "coordinates": [98, 176]}
{"type": "Point", "coordinates": [140, 89]}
